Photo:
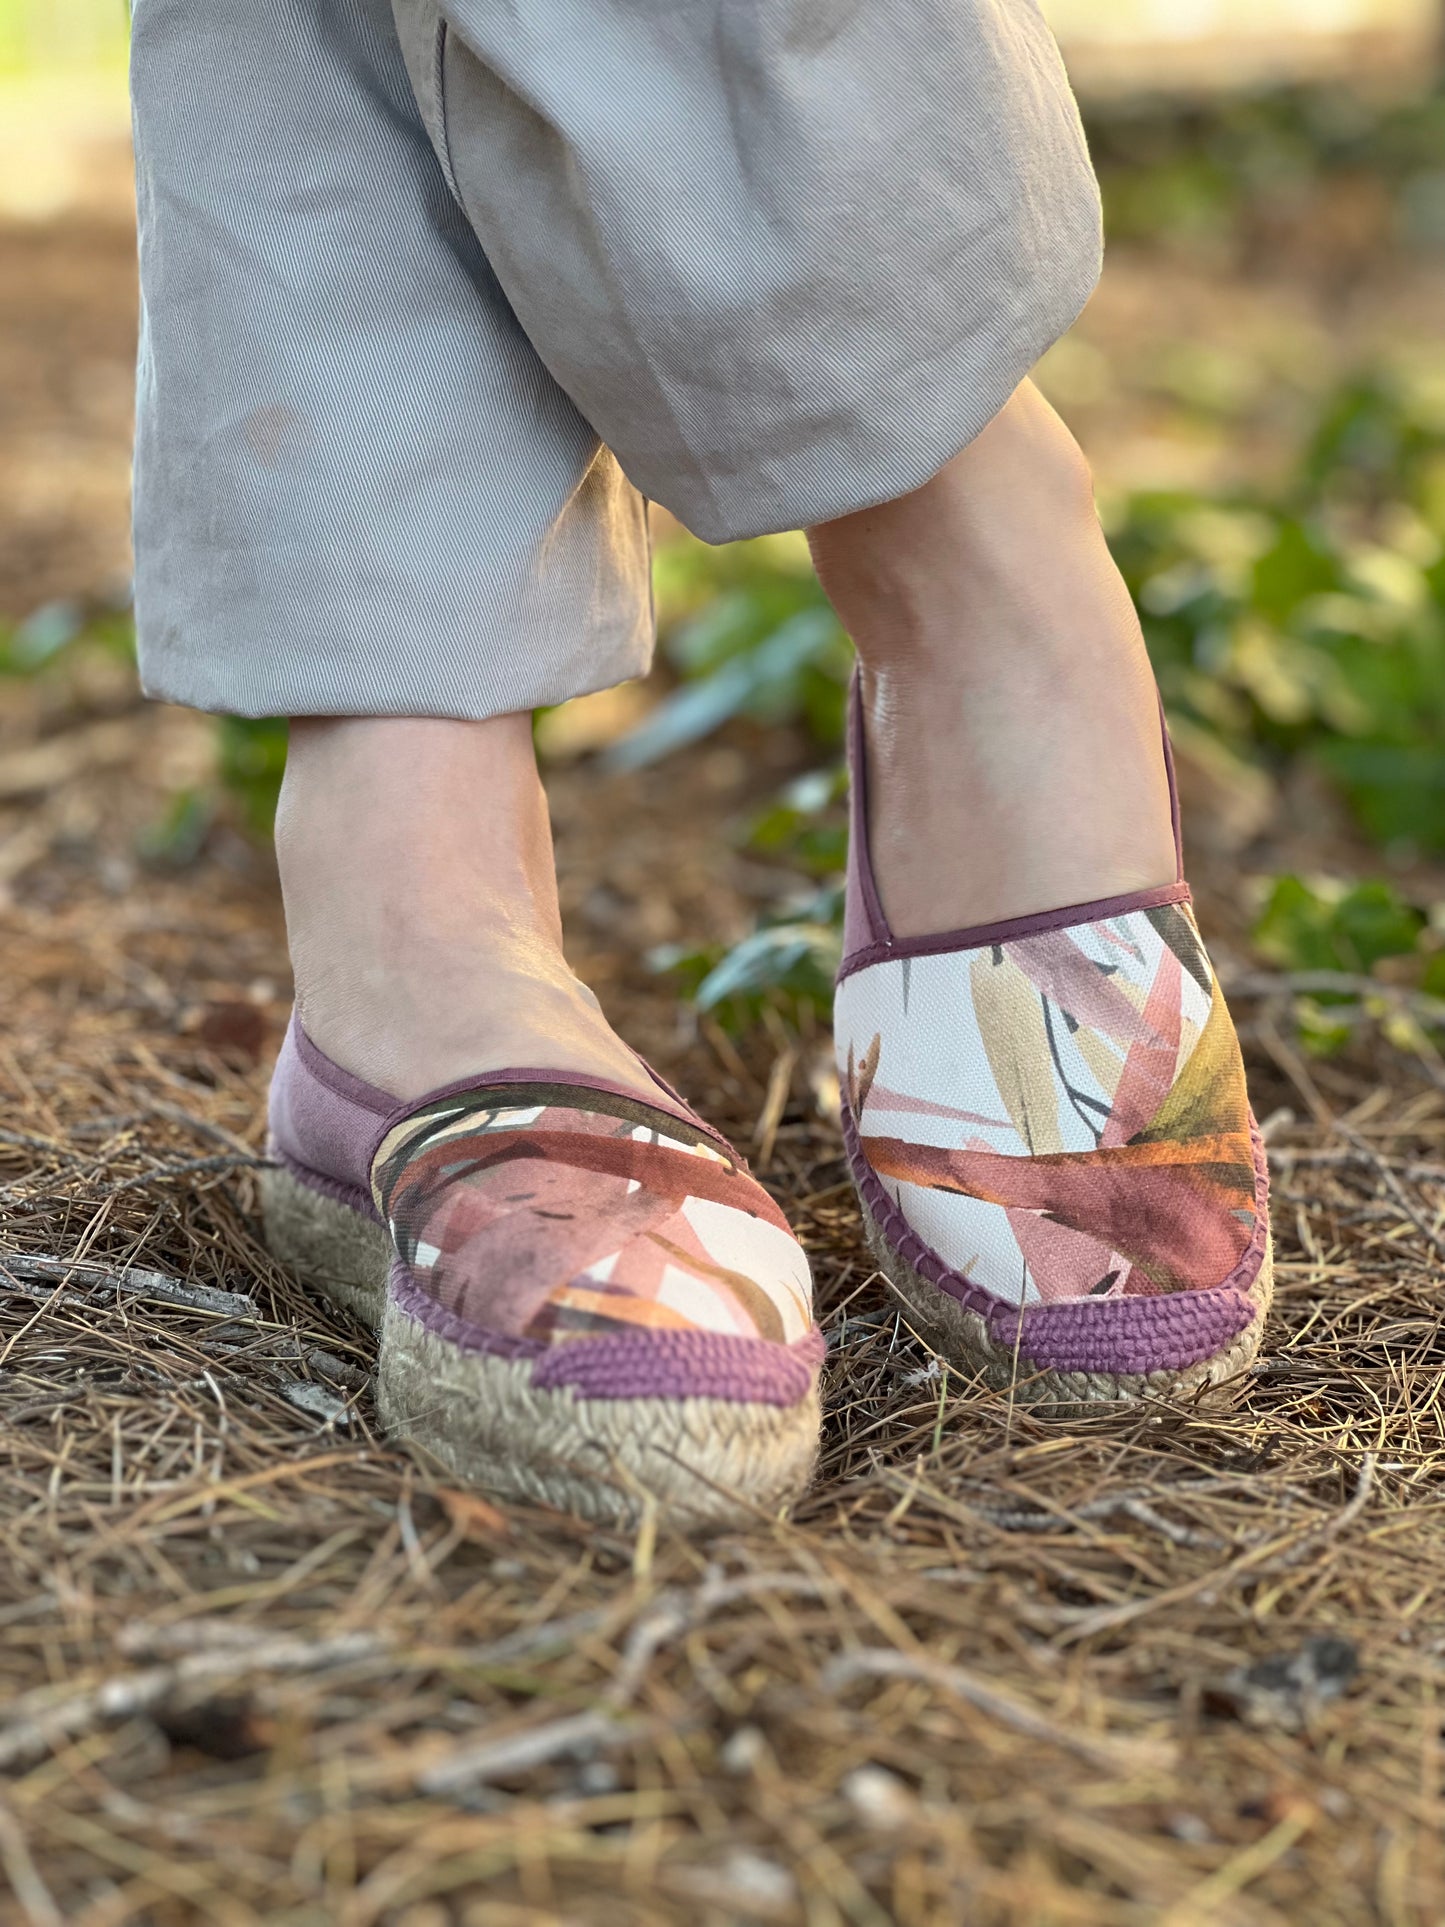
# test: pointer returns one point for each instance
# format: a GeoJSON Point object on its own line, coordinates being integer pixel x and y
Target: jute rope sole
{"type": "Point", "coordinates": [703, 1463]}
{"type": "Point", "coordinates": [963, 1338]}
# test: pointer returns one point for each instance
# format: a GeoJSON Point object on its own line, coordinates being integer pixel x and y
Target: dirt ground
{"type": "Point", "coordinates": [258, 1666]}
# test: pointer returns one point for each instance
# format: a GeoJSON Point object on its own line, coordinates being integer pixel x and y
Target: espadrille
{"type": "Point", "coordinates": [1048, 1127]}
{"type": "Point", "coordinates": [582, 1297]}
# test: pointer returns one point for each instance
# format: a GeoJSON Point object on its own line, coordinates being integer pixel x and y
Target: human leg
{"type": "Point", "coordinates": [421, 903]}
{"type": "Point", "coordinates": [363, 502]}
{"type": "Point", "coordinates": [1044, 1100]}
{"type": "Point", "coordinates": [789, 282]}
{"type": "Point", "coordinates": [1014, 745]}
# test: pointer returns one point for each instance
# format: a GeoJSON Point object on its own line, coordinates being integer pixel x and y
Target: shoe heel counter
{"type": "Point", "coordinates": [317, 1120]}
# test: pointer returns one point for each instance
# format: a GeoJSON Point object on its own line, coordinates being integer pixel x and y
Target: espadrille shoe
{"type": "Point", "coordinates": [1047, 1123]}
{"type": "Point", "coordinates": [583, 1298]}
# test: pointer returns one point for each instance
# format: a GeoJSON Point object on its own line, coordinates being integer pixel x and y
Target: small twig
{"type": "Point", "coordinates": [37, 1722]}
{"type": "Point", "coordinates": [667, 1618]}
{"type": "Point", "coordinates": [317, 1401]}
{"type": "Point", "coordinates": [177, 1114]}
{"type": "Point", "coordinates": [780, 1083]}
{"type": "Point", "coordinates": [27, 1141]}
{"type": "Point", "coordinates": [497, 1759]}
{"type": "Point", "coordinates": [1262, 1557]}
{"type": "Point", "coordinates": [1332, 1527]}
{"type": "Point", "coordinates": [1393, 1185]}
{"type": "Point", "coordinates": [550, 1636]}
{"type": "Point", "coordinates": [92, 1280]}
{"type": "Point", "coordinates": [191, 1168]}
{"type": "Point", "coordinates": [1413, 1173]}
{"type": "Point", "coordinates": [1100, 1750]}
{"type": "Point", "coordinates": [1314, 983]}
{"type": "Point", "coordinates": [339, 1370]}
{"type": "Point", "coordinates": [1130, 1504]}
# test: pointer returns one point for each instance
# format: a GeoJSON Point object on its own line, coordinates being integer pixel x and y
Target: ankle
{"type": "Point", "coordinates": [1012, 723]}
{"type": "Point", "coordinates": [421, 906]}
{"type": "Point", "coordinates": [419, 803]}
{"type": "Point", "coordinates": [995, 551]}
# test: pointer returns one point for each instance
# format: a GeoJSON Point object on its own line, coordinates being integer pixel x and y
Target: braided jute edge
{"type": "Point", "coordinates": [703, 1463]}
{"type": "Point", "coordinates": [963, 1338]}
{"type": "Point", "coordinates": [327, 1244]}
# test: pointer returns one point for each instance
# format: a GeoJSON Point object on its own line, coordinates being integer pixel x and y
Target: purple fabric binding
{"type": "Point", "coordinates": [867, 936]}
{"type": "Point", "coordinates": [322, 1119]}
{"type": "Point", "coordinates": [325, 1127]}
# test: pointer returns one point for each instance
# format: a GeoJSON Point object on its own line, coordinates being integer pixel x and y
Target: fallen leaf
{"type": "Point", "coordinates": [472, 1515]}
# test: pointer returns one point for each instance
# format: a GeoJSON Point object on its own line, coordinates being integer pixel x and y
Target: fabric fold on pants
{"type": "Point", "coordinates": [433, 301]}
{"type": "Point", "coordinates": [357, 489]}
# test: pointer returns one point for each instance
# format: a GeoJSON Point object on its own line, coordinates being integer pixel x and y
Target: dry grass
{"type": "Point", "coordinates": [258, 1666]}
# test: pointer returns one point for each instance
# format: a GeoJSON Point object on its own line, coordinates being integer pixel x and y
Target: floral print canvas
{"type": "Point", "coordinates": [551, 1221]}
{"type": "Point", "coordinates": [1059, 1116]}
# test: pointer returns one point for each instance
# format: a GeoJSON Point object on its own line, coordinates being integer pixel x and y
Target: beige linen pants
{"type": "Point", "coordinates": [433, 297]}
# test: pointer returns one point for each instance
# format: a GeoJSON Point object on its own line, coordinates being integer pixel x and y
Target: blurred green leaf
{"type": "Point", "coordinates": [1298, 564]}
{"type": "Point", "coordinates": [769, 682]}
{"type": "Point", "coordinates": [1227, 171]}
{"type": "Point", "coordinates": [1310, 622]}
{"type": "Point", "coordinates": [1398, 790]}
{"type": "Point", "coordinates": [787, 964]}
{"type": "Point", "coordinates": [806, 825]}
{"type": "Point", "coordinates": [252, 763]}
{"type": "Point", "coordinates": [1323, 926]}
{"type": "Point", "coordinates": [799, 958]}
{"type": "Point", "coordinates": [177, 839]}
{"type": "Point", "coordinates": [57, 630]}
{"type": "Point", "coordinates": [1350, 929]}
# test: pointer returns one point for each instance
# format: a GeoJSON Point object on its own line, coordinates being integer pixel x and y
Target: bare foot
{"type": "Point", "coordinates": [421, 905]}
{"type": "Point", "coordinates": [1014, 747]}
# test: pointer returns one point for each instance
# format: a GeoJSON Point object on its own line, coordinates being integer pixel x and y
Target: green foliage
{"type": "Point", "coordinates": [749, 633]}
{"type": "Point", "coordinates": [1310, 622]}
{"type": "Point", "coordinates": [787, 964]}
{"type": "Point", "coordinates": [58, 633]}
{"type": "Point", "coordinates": [1335, 926]}
{"type": "Point", "coordinates": [178, 836]}
{"type": "Point", "coordinates": [1325, 927]}
{"type": "Point", "coordinates": [1234, 168]}
{"type": "Point", "coordinates": [252, 760]}
{"type": "Point", "coordinates": [806, 825]}
{"type": "Point", "coordinates": [62, 637]}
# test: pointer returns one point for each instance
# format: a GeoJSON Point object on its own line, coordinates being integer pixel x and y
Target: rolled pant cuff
{"type": "Point", "coordinates": [399, 647]}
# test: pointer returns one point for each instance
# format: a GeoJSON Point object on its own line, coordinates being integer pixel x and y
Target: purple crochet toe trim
{"type": "Point", "coordinates": [1127, 1336]}
{"type": "Point", "coordinates": [665, 1364]}
{"type": "Point", "coordinates": [691, 1364]}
